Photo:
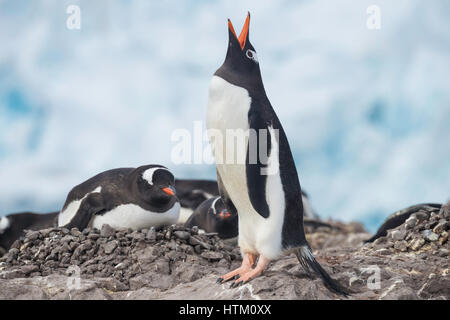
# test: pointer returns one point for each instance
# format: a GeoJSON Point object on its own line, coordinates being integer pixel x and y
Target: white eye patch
{"type": "Point", "coordinates": [213, 205]}
{"type": "Point", "coordinates": [252, 55]}
{"type": "Point", "coordinates": [148, 174]}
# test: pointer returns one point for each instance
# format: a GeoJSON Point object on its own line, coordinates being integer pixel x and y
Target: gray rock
{"type": "Point", "coordinates": [107, 231]}
{"type": "Point", "coordinates": [212, 256]}
{"type": "Point", "coordinates": [398, 235]}
{"type": "Point", "coordinates": [151, 234]}
{"type": "Point", "coordinates": [75, 232]}
{"type": "Point", "coordinates": [110, 246]}
{"type": "Point", "coordinates": [401, 246]}
{"type": "Point", "coordinates": [432, 237]}
{"type": "Point", "coordinates": [441, 227]}
{"type": "Point", "coordinates": [416, 244]}
{"type": "Point", "coordinates": [422, 215]}
{"type": "Point", "coordinates": [182, 235]}
{"type": "Point", "coordinates": [411, 222]}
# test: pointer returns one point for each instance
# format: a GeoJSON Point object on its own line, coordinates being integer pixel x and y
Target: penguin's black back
{"type": "Point", "coordinates": [398, 218]}
{"type": "Point", "coordinates": [192, 193]}
{"type": "Point", "coordinates": [114, 180]}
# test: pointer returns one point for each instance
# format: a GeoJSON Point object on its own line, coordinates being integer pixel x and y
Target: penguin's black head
{"type": "Point", "coordinates": [225, 221]}
{"type": "Point", "coordinates": [156, 184]}
{"type": "Point", "coordinates": [241, 66]}
{"type": "Point", "coordinates": [219, 211]}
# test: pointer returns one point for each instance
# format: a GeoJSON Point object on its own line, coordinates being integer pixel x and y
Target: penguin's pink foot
{"type": "Point", "coordinates": [246, 266]}
{"type": "Point", "coordinates": [263, 262]}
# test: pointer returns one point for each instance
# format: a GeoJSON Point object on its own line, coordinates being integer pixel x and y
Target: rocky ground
{"type": "Point", "coordinates": [411, 262]}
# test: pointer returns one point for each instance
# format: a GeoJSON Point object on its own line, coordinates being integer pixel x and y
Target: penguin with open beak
{"type": "Point", "coordinates": [265, 191]}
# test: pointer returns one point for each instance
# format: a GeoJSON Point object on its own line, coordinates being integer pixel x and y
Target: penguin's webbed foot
{"type": "Point", "coordinates": [247, 265]}
{"type": "Point", "coordinates": [263, 262]}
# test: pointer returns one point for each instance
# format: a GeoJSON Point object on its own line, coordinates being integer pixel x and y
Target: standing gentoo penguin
{"type": "Point", "coordinates": [191, 193]}
{"type": "Point", "coordinates": [133, 198]}
{"type": "Point", "coordinates": [266, 194]}
{"type": "Point", "coordinates": [13, 225]}
{"type": "Point", "coordinates": [213, 216]}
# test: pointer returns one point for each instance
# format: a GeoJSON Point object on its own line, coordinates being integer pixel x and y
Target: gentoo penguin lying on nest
{"type": "Point", "coordinates": [13, 225]}
{"type": "Point", "coordinates": [133, 198]}
{"type": "Point", "coordinates": [213, 216]}
{"type": "Point", "coordinates": [399, 217]}
{"type": "Point", "coordinates": [192, 193]}
{"type": "Point", "coordinates": [266, 194]}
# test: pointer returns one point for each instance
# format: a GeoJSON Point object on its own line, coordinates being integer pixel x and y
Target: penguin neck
{"type": "Point", "coordinates": [252, 84]}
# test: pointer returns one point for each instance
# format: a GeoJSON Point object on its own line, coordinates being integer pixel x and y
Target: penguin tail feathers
{"type": "Point", "coordinates": [308, 262]}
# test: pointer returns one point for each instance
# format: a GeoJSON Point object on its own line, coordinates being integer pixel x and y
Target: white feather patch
{"type": "Point", "coordinates": [4, 224]}
{"type": "Point", "coordinates": [148, 174]}
{"type": "Point", "coordinates": [135, 217]}
{"type": "Point", "coordinates": [185, 213]}
{"type": "Point", "coordinates": [66, 216]}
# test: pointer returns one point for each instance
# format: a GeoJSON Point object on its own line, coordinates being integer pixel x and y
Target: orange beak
{"type": "Point", "coordinates": [225, 214]}
{"type": "Point", "coordinates": [169, 191]}
{"type": "Point", "coordinates": [244, 33]}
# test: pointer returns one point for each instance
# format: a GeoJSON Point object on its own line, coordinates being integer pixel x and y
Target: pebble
{"type": "Point", "coordinates": [182, 235]}
{"type": "Point", "coordinates": [416, 244]}
{"type": "Point", "coordinates": [441, 227]}
{"type": "Point", "coordinates": [432, 237]}
{"type": "Point", "coordinates": [151, 234]}
{"type": "Point", "coordinates": [398, 235]}
{"type": "Point", "coordinates": [107, 231]}
{"type": "Point", "coordinates": [110, 246]}
{"type": "Point", "coordinates": [401, 245]}
{"type": "Point", "coordinates": [411, 222]}
{"type": "Point", "coordinates": [110, 253]}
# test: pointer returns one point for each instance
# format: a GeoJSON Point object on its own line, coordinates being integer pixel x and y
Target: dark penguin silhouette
{"type": "Point", "coordinates": [13, 225]}
{"type": "Point", "coordinates": [133, 198]}
{"type": "Point", "coordinates": [213, 216]}
{"type": "Point", "coordinates": [399, 217]}
{"type": "Point", "coordinates": [265, 191]}
{"type": "Point", "coordinates": [191, 193]}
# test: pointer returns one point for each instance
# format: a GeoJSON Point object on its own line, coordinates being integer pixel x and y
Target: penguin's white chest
{"type": "Point", "coordinates": [124, 216]}
{"type": "Point", "coordinates": [227, 121]}
{"type": "Point", "coordinates": [227, 124]}
{"type": "Point", "coordinates": [134, 217]}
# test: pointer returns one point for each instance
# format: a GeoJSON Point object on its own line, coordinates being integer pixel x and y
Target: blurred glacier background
{"type": "Point", "coordinates": [367, 112]}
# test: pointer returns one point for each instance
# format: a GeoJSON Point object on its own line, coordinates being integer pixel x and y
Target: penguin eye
{"type": "Point", "coordinates": [251, 55]}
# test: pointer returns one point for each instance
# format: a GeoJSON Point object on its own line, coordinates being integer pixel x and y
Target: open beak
{"type": "Point", "coordinates": [169, 190]}
{"type": "Point", "coordinates": [244, 33]}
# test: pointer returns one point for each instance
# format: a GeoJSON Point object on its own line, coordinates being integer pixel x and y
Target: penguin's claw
{"type": "Point", "coordinates": [236, 284]}
{"type": "Point", "coordinates": [219, 280]}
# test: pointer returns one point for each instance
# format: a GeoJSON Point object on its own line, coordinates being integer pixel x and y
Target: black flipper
{"type": "Point", "coordinates": [256, 181]}
{"type": "Point", "coordinates": [90, 206]}
{"type": "Point", "coordinates": [308, 262]}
